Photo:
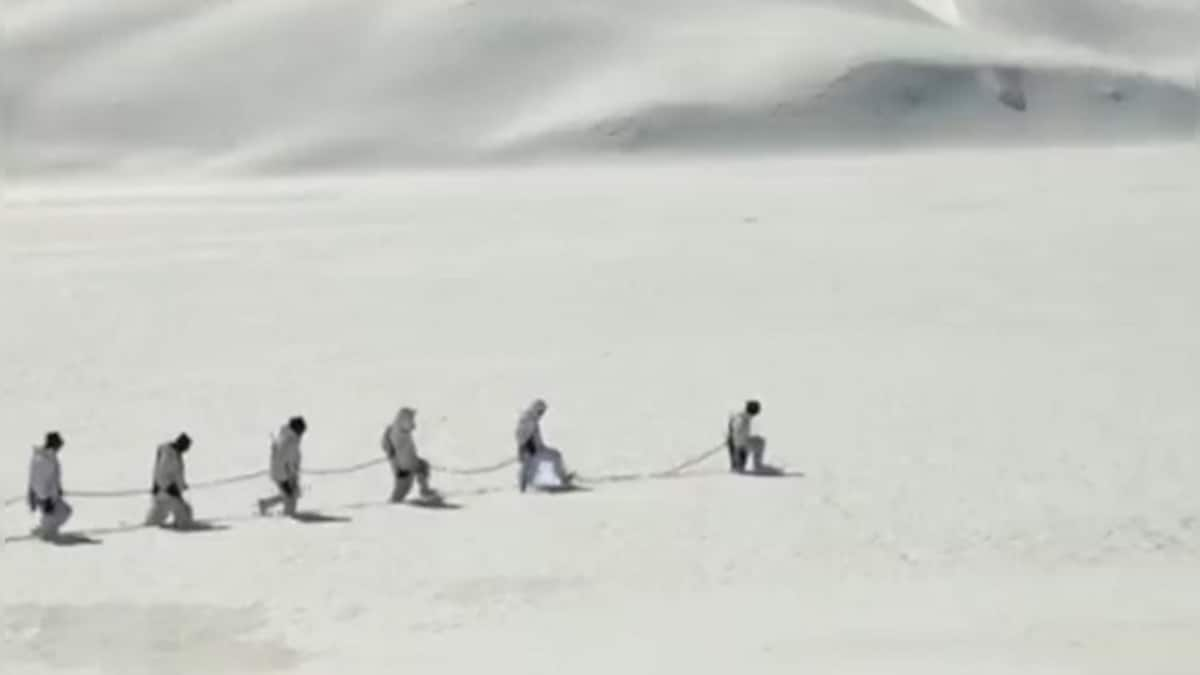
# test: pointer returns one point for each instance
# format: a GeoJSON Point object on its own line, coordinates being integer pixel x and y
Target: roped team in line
{"type": "Point", "coordinates": [169, 482]}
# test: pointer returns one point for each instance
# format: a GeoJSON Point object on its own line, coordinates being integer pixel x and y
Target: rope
{"type": "Point", "coordinates": [346, 469]}
{"type": "Point", "coordinates": [665, 473]}
{"type": "Point", "coordinates": [105, 494]}
{"type": "Point", "coordinates": [255, 475]}
{"type": "Point", "coordinates": [475, 471]}
{"type": "Point", "coordinates": [674, 471]}
{"type": "Point", "coordinates": [217, 482]}
{"type": "Point", "coordinates": [353, 468]}
{"type": "Point", "coordinates": [687, 464]}
{"type": "Point", "coordinates": [470, 471]}
{"type": "Point", "coordinates": [139, 492]}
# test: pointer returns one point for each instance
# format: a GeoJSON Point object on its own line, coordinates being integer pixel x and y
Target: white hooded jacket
{"type": "Point", "coordinates": [168, 467]}
{"type": "Point", "coordinates": [529, 427]}
{"type": "Point", "coordinates": [45, 474]}
{"type": "Point", "coordinates": [398, 443]}
{"type": "Point", "coordinates": [741, 429]}
{"type": "Point", "coordinates": [285, 455]}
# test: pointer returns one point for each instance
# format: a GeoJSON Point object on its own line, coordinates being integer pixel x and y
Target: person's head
{"type": "Point", "coordinates": [182, 442]}
{"type": "Point", "coordinates": [54, 440]}
{"type": "Point", "coordinates": [538, 407]}
{"type": "Point", "coordinates": [753, 407]}
{"type": "Point", "coordinates": [298, 425]}
{"type": "Point", "coordinates": [407, 416]}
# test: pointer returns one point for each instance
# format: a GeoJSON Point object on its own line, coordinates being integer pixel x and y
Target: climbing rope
{"type": "Point", "coordinates": [647, 475]}
{"type": "Point", "coordinates": [470, 471]}
{"type": "Point", "coordinates": [475, 471]}
{"type": "Point", "coordinates": [255, 475]}
{"type": "Point", "coordinates": [337, 471]}
{"type": "Point", "coordinates": [240, 478]}
{"type": "Point", "coordinates": [353, 468]}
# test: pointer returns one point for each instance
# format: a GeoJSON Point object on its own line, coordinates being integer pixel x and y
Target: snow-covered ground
{"type": "Point", "coordinates": [973, 329]}
{"type": "Point", "coordinates": [983, 364]}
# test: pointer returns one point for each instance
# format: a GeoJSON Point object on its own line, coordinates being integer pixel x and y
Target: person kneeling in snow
{"type": "Point", "coordinates": [45, 493]}
{"type": "Point", "coordinates": [285, 467]}
{"type": "Point", "coordinates": [741, 440]}
{"type": "Point", "coordinates": [401, 452]}
{"type": "Point", "coordinates": [169, 484]}
{"type": "Point", "coordinates": [532, 451]}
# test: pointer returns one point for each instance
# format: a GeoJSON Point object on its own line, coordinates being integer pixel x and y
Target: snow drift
{"type": "Point", "coordinates": [140, 86]}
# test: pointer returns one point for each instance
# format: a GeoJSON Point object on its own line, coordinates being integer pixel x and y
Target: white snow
{"type": "Point", "coordinates": [137, 87]}
{"type": "Point", "coordinates": [973, 330]}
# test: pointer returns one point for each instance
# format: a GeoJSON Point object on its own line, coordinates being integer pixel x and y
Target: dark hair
{"type": "Point", "coordinates": [182, 442]}
{"type": "Point", "coordinates": [54, 440]}
{"type": "Point", "coordinates": [298, 425]}
{"type": "Point", "coordinates": [753, 407]}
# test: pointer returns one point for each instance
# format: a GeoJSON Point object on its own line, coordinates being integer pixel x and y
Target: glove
{"type": "Point", "coordinates": [154, 489]}
{"type": "Point", "coordinates": [32, 500]}
{"type": "Point", "coordinates": [47, 505]}
{"type": "Point", "coordinates": [173, 490]}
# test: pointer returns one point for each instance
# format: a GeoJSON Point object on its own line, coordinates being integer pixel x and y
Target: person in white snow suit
{"type": "Point", "coordinates": [741, 441]}
{"type": "Point", "coordinates": [285, 467]}
{"type": "Point", "coordinates": [45, 493]}
{"type": "Point", "coordinates": [532, 450]}
{"type": "Point", "coordinates": [169, 484]}
{"type": "Point", "coordinates": [401, 451]}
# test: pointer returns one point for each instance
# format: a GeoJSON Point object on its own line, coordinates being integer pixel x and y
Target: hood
{"type": "Point", "coordinates": [535, 410]}
{"type": "Point", "coordinates": [406, 419]}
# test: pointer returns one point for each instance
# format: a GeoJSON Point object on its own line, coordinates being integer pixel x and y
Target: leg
{"type": "Point", "coordinates": [285, 490]}
{"type": "Point", "coordinates": [527, 471]}
{"type": "Point", "coordinates": [556, 462]}
{"type": "Point", "coordinates": [401, 487]}
{"type": "Point", "coordinates": [158, 511]}
{"type": "Point", "coordinates": [62, 512]}
{"type": "Point", "coordinates": [53, 518]}
{"type": "Point", "coordinates": [757, 448]}
{"type": "Point", "coordinates": [181, 512]}
{"type": "Point", "coordinates": [739, 459]}
{"type": "Point", "coordinates": [423, 472]}
{"type": "Point", "coordinates": [288, 494]}
{"type": "Point", "coordinates": [291, 496]}
{"type": "Point", "coordinates": [269, 503]}
{"type": "Point", "coordinates": [48, 524]}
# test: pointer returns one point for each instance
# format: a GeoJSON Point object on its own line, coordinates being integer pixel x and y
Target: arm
{"type": "Point", "coordinates": [182, 475]}
{"type": "Point", "coordinates": [522, 436]}
{"type": "Point", "coordinates": [740, 431]}
{"type": "Point", "coordinates": [529, 438]}
{"type": "Point", "coordinates": [293, 463]}
{"type": "Point", "coordinates": [154, 473]}
{"type": "Point", "coordinates": [30, 493]}
{"type": "Point", "coordinates": [57, 478]}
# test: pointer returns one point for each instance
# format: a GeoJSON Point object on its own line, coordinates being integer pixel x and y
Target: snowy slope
{"type": "Point", "coordinates": [983, 364]}
{"type": "Point", "coordinates": [904, 225]}
{"type": "Point", "coordinates": [141, 87]}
